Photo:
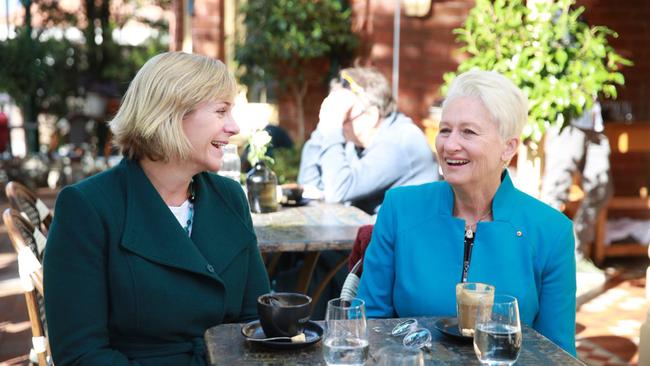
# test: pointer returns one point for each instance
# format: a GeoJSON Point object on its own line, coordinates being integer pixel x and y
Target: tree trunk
{"type": "Point", "coordinates": [299, 92]}
{"type": "Point", "coordinates": [29, 107]}
{"type": "Point", "coordinates": [89, 34]}
{"type": "Point", "coordinates": [107, 37]}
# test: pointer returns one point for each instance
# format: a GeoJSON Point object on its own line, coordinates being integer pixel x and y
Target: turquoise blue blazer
{"type": "Point", "coordinates": [414, 258]}
{"type": "Point", "coordinates": [126, 285]}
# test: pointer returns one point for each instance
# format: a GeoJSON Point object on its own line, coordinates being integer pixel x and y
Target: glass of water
{"type": "Point", "coordinates": [230, 163]}
{"type": "Point", "coordinates": [497, 337]}
{"type": "Point", "coordinates": [346, 336]}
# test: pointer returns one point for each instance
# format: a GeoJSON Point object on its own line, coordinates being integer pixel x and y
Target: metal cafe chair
{"type": "Point", "coordinates": [355, 262]}
{"type": "Point", "coordinates": [29, 243]}
{"type": "Point", "coordinates": [25, 201]}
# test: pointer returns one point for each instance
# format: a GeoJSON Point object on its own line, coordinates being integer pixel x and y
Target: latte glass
{"type": "Point", "coordinates": [468, 295]}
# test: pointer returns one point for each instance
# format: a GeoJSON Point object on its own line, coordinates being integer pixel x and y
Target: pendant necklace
{"type": "Point", "coordinates": [190, 216]}
{"type": "Point", "coordinates": [468, 246]}
{"type": "Point", "coordinates": [469, 231]}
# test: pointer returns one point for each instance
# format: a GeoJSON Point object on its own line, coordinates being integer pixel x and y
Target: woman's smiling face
{"type": "Point", "coordinates": [470, 150]}
{"type": "Point", "coordinates": [208, 128]}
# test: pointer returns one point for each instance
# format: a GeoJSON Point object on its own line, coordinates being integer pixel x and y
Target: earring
{"type": "Point", "coordinates": [505, 163]}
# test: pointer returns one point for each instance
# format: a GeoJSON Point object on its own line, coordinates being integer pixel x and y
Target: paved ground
{"type": "Point", "coordinates": [608, 325]}
{"type": "Point", "coordinates": [608, 319]}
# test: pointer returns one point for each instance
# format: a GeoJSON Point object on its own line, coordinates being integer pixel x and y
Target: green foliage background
{"type": "Point", "coordinates": [40, 72]}
{"type": "Point", "coordinates": [288, 42]}
{"type": "Point", "coordinates": [282, 35]}
{"type": "Point", "coordinates": [557, 59]}
{"type": "Point", "coordinates": [49, 70]}
{"type": "Point", "coordinates": [287, 163]}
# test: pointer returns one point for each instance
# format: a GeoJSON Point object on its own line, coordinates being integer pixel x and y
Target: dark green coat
{"type": "Point", "coordinates": [124, 283]}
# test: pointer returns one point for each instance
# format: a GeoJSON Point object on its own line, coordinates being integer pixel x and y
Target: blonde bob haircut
{"type": "Point", "coordinates": [507, 104]}
{"type": "Point", "coordinates": [167, 88]}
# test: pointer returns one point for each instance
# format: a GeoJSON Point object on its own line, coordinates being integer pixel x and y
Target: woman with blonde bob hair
{"type": "Point", "coordinates": [143, 258]}
{"type": "Point", "coordinates": [475, 226]}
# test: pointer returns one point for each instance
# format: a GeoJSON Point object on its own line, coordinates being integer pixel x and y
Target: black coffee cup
{"type": "Point", "coordinates": [291, 193]}
{"type": "Point", "coordinates": [283, 314]}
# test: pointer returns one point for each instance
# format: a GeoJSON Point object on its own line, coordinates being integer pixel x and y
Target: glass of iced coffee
{"type": "Point", "coordinates": [468, 295]}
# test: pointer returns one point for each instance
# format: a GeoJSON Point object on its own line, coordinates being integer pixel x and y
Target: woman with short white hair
{"type": "Point", "coordinates": [475, 226]}
{"type": "Point", "coordinates": [143, 258]}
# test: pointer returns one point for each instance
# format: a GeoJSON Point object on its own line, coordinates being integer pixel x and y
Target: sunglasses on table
{"type": "Point", "coordinates": [415, 337]}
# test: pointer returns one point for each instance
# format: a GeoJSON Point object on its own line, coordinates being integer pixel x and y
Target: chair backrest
{"type": "Point", "coordinates": [25, 201]}
{"type": "Point", "coordinates": [355, 262]}
{"type": "Point", "coordinates": [24, 234]}
{"type": "Point", "coordinates": [29, 243]}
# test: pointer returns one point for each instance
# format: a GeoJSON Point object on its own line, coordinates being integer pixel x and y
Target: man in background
{"type": "Point", "coordinates": [362, 145]}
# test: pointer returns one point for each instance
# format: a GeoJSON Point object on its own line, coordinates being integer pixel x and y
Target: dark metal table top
{"type": "Point", "coordinates": [315, 227]}
{"type": "Point", "coordinates": [226, 346]}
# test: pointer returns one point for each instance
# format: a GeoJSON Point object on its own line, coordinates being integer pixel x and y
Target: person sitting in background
{"type": "Point", "coordinates": [475, 226]}
{"type": "Point", "coordinates": [143, 258]}
{"type": "Point", "coordinates": [362, 145]}
{"type": "Point", "coordinates": [581, 147]}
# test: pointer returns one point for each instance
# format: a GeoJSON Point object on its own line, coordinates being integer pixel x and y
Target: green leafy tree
{"type": "Point", "coordinates": [559, 61]}
{"type": "Point", "coordinates": [285, 38]}
{"type": "Point", "coordinates": [287, 163]}
{"type": "Point", "coordinates": [39, 75]}
{"type": "Point", "coordinates": [125, 61]}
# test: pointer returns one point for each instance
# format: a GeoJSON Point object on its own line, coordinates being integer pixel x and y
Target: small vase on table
{"type": "Point", "coordinates": [261, 183]}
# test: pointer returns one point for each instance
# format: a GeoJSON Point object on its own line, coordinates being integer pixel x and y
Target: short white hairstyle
{"type": "Point", "coordinates": [506, 102]}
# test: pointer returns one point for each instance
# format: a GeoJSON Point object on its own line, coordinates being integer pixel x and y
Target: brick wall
{"type": "Point", "coordinates": [176, 26]}
{"type": "Point", "coordinates": [287, 111]}
{"type": "Point", "coordinates": [631, 20]}
{"type": "Point", "coordinates": [428, 49]}
{"type": "Point", "coordinates": [426, 53]}
{"type": "Point", "coordinates": [208, 28]}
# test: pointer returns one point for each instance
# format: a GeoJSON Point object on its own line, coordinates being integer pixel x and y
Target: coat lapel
{"type": "Point", "coordinates": [221, 231]}
{"type": "Point", "coordinates": [152, 231]}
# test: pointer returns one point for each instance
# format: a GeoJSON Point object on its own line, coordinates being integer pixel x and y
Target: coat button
{"type": "Point", "coordinates": [519, 233]}
{"type": "Point", "coordinates": [210, 268]}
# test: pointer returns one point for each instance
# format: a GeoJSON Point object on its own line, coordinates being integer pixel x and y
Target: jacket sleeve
{"type": "Point", "coordinates": [348, 179]}
{"type": "Point", "coordinates": [556, 318]}
{"type": "Point", "coordinates": [76, 295]}
{"type": "Point", "coordinates": [378, 277]}
{"type": "Point", "coordinates": [257, 282]}
{"type": "Point", "coordinates": [310, 169]}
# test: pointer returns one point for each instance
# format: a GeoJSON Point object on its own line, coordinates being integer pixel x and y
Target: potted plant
{"type": "Point", "coordinates": [290, 42]}
{"type": "Point", "coordinates": [545, 48]}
